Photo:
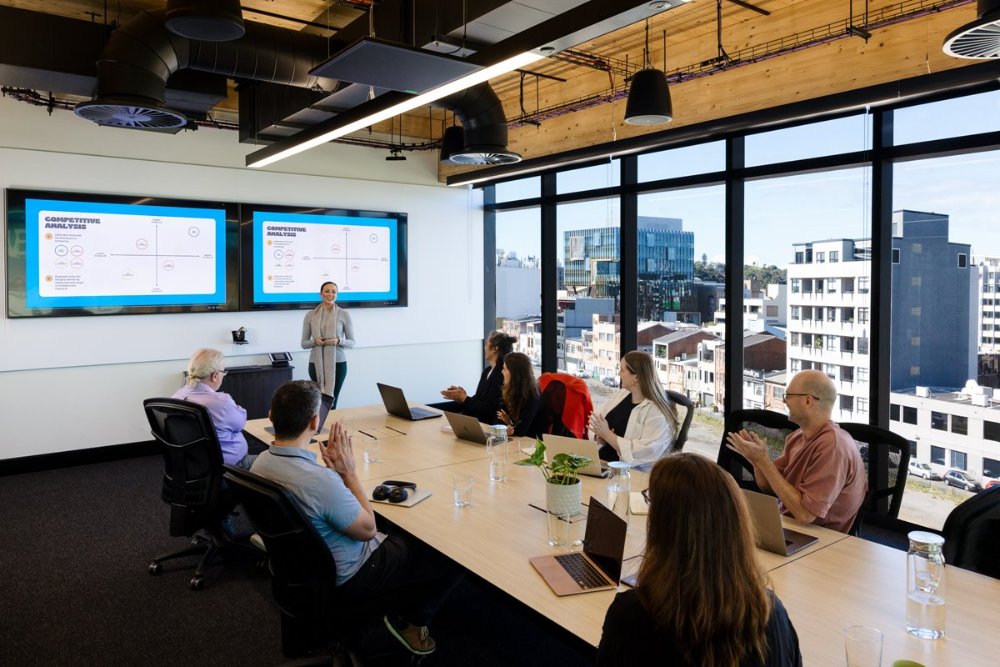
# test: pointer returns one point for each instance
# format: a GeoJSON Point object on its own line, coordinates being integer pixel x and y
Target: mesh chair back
{"type": "Point", "coordinates": [772, 427]}
{"type": "Point", "coordinates": [576, 405]}
{"type": "Point", "coordinates": [303, 572]}
{"type": "Point", "coordinates": [192, 457]}
{"type": "Point", "coordinates": [682, 434]}
{"type": "Point", "coordinates": [886, 457]}
{"type": "Point", "coordinates": [972, 534]}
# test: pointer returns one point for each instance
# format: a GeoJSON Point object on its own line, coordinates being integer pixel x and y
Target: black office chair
{"type": "Point", "coordinates": [303, 572]}
{"type": "Point", "coordinates": [886, 457]}
{"type": "Point", "coordinates": [773, 427]}
{"type": "Point", "coordinates": [682, 435]}
{"type": "Point", "coordinates": [192, 483]}
{"type": "Point", "coordinates": [972, 534]}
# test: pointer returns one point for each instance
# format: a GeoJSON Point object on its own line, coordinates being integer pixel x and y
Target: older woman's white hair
{"type": "Point", "coordinates": [203, 363]}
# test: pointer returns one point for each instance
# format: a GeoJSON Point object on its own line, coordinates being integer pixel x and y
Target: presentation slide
{"type": "Point", "coordinates": [90, 254]}
{"type": "Point", "coordinates": [295, 253]}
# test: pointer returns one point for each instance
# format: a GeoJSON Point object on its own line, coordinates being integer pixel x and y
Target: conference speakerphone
{"type": "Point", "coordinates": [280, 359]}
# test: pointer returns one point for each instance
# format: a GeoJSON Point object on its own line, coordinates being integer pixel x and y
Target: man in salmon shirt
{"type": "Point", "coordinates": [819, 477]}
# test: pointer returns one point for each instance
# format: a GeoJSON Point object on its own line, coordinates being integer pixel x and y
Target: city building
{"type": "Point", "coordinates": [829, 310]}
{"type": "Point", "coordinates": [665, 258]}
{"type": "Point", "coordinates": [762, 308]}
{"type": "Point", "coordinates": [951, 429]}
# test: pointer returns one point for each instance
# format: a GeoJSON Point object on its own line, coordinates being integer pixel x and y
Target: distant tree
{"type": "Point", "coordinates": [713, 272]}
{"type": "Point", "coordinates": [769, 274]}
{"type": "Point", "coordinates": [716, 272]}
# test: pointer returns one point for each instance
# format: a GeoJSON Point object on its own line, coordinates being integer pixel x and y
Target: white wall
{"type": "Point", "coordinates": [74, 383]}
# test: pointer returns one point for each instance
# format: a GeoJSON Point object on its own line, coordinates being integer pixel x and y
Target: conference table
{"type": "Point", "coordinates": [837, 581]}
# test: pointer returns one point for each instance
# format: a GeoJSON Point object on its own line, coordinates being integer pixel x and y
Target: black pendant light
{"type": "Point", "coordinates": [648, 96]}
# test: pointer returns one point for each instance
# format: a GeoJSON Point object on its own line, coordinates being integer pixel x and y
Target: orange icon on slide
{"type": "Point", "coordinates": [48, 236]}
{"type": "Point", "coordinates": [270, 242]}
{"type": "Point", "coordinates": [48, 278]}
{"type": "Point", "coordinates": [270, 278]}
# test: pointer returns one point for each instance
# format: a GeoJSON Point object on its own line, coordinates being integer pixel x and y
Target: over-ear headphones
{"type": "Point", "coordinates": [393, 491]}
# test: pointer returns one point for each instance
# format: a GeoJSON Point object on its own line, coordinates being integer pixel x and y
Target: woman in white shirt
{"type": "Point", "coordinates": [638, 424]}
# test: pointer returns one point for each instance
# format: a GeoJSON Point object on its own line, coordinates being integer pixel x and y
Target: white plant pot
{"type": "Point", "coordinates": [563, 499]}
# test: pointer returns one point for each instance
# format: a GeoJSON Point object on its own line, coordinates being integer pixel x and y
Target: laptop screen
{"type": "Point", "coordinates": [604, 539]}
{"type": "Point", "coordinates": [325, 403]}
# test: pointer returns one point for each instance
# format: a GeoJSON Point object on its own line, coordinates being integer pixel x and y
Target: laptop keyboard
{"type": "Point", "coordinates": [583, 572]}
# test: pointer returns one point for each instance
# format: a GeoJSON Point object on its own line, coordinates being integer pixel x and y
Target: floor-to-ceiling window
{"type": "Point", "coordinates": [815, 200]}
{"type": "Point", "coordinates": [945, 327]}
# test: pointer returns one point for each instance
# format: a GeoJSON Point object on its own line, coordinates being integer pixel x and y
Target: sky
{"type": "Point", "coordinates": [806, 207]}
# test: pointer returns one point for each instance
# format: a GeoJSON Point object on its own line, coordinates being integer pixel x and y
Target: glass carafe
{"type": "Point", "coordinates": [496, 445]}
{"type": "Point", "coordinates": [925, 585]}
{"type": "Point", "coordinates": [619, 487]}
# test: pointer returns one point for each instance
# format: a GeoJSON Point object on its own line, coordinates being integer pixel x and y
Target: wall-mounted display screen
{"type": "Point", "coordinates": [295, 250]}
{"type": "Point", "coordinates": [77, 254]}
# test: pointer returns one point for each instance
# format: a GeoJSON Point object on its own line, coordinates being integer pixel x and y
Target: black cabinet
{"type": "Point", "coordinates": [253, 386]}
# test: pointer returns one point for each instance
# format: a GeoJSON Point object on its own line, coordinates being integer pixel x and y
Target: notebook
{"type": "Point", "coordinates": [771, 535]}
{"type": "Point", "coordinates": [325, 404]}
{"type": "Point", "coordinates": [395, 404]}
{"type": "Point", "coordinates": [466, 427]}
{"type": "Point", "coordinates": [598, 566]}
{"type": "Point", "coordinates": [560, 444]}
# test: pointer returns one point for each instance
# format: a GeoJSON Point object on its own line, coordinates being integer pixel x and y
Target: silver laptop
{"type": "Point", "coordinates": [771, 535]}
{"type": "Point", "coordinates": [395, 404]}
{"type": "Point", "coordinates": [599, 566]}
{"type": "Point", "coordinates": [325, 404]}
{"type": "Point", "coordinates": [466, 427]}
{"type": "Point", "coordinates": [560, 444]}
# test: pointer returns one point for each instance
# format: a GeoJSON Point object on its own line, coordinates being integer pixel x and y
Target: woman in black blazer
{"type": "Point", "coordinates": [482, 405]}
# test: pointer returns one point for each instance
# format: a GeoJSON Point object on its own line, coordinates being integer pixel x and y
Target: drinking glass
{"type": "Point", "coordinates": [371, 450]}
{"type": "Point", "coordinates": [462, 488]}
{"type": "Point", "coordinates": [863, 645]}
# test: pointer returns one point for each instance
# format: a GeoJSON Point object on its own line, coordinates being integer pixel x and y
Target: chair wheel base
{"type": "Point", "coordinates": [197, 583]}
{"type": "Point", "coordinates": [155, 568]}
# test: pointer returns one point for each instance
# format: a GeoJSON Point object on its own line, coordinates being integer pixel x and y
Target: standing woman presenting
{"type": "Point", "coordinates": [326, 330]}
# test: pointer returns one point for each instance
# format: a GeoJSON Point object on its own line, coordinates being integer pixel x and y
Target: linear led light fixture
{"type": "Point", "coordinates": [412, 102]}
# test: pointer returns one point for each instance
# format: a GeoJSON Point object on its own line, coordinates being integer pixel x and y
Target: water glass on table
{"type": "Point", "coordinates": [559, 529]}
{"type": "Point", "coordinates": [863, 645]}
{"type": "Point", "coordinates": [462, 488]}
{"type": "Point", "coordinates": [371, 450]}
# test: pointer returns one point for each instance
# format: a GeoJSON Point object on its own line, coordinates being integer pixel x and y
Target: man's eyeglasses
{"type": "Point", "coordinates": [645, 495]}
{"type": "Point", "coordinates": [815, 398]}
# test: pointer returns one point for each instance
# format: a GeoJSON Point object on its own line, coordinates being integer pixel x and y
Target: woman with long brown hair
{"type": "Point", "coordinates": [701, 598]}
{"type": "Point", "coordinates": [521, 399]}
{"type": "Point", "coordinates": [639, 423]}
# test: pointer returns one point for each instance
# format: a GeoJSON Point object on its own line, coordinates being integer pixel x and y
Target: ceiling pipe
{"type": "Point", "coordinates": [140, 57]}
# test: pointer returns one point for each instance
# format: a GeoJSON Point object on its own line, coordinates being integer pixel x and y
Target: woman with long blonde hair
{"type": "Point", "coordinates": [701, 598]}
{"type": "Point", "coordinates": [639, 423]}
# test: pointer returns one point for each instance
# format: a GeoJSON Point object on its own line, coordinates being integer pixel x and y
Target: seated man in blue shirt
{"type": "Point", "coordinates": [411, 577]}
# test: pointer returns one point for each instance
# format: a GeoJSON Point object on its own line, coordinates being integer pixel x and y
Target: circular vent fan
{"type": "Point", "coordinates": [472, 156]}
{"type": "Point", "coordinates": [979, 39]}
{"type": "Point", "coordinates": [130, 116]}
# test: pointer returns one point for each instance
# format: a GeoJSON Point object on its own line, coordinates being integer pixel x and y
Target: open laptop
{"type": "Point", "coordinates": [771, 535]}
{"type": "Point", "coordinates": [466, 427]}
{"type": "Point", "coordinates": [395, 404]}
{"type": "Point", "coordinates": [598, 566]}
{"type": "Point", "coordinates": [325, 404]}
{"type": "Point", "coordinates": [561, 444]}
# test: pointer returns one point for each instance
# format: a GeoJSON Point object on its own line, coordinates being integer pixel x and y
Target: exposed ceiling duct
{"type": "Point", "coordinates": [979, 39]}
{"type": "Point", "coordinates": [140, 56]}
{"type": "Point", "coordinates": [484, 127]}
{"type": "Point", "coordinates": [206, 20]}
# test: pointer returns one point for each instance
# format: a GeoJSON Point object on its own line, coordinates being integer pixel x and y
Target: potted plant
{"type": "Point", "coordinates": [563, 488]}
